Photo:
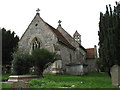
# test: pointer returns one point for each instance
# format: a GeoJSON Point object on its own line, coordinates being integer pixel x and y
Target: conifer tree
{"type": "Point", "coordinates": [109, 37]}
{"type": "Point", "coordinates": [9, 43]}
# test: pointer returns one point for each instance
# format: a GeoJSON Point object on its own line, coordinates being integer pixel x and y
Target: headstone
{"type": "Point", "coordinates": [115, 75]}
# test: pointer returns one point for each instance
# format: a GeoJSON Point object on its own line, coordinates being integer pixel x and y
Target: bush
{"type": "Point", "coordinates": [21, 62]}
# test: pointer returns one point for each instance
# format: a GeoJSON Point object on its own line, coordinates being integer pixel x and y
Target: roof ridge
{"type": "Point", "coordinates": [61, 37]}
{"type": "Point", "coordinates": [66, 32]}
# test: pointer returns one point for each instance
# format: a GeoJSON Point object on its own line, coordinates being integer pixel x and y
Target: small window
{"type": "Point", "coordinates": [36, 25]}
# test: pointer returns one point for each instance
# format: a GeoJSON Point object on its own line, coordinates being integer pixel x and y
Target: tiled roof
{"type": "Point", "coordinates": [90, 53]}
{"type": "Point", "coordinates": [60, 37]}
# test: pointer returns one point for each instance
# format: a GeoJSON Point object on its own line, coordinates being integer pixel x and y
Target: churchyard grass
{"type": "Point", "coordinates": [6, 86]}
{"type": "Point", "coordinates": [4, 79]}
{"type": "Point", "coordinates": [92, 80]}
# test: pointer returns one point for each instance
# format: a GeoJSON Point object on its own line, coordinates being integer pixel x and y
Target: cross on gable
{"type": "Point", "coordinates": [59, 22]}
{"type": "Point", "coordinates": [38, 10]}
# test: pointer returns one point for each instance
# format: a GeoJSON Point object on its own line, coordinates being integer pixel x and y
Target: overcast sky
{"type": "Point", "coordinates": [80, 15]}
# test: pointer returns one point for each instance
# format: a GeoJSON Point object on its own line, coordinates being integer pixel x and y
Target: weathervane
{"type": "Point", "coordinates": [59, 22]}
{"type": "Point", "coordinates": [38, 10]}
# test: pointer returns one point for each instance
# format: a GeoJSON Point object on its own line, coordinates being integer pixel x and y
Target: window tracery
{"type": "Point", "coordinates": [35, 43]}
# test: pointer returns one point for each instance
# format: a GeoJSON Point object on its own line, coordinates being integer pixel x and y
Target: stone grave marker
{"type": "Point", "coordinates": [115, 75]}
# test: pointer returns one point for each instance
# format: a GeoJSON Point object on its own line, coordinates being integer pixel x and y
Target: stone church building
{"type": "Point", "coordinates": [72, 57]}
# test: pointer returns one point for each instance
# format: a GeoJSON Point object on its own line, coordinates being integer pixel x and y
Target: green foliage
{"type": "Point", "coordinates": [22, 62]}
{"type": "Point", "coordinates": [86, 81]}
{"type": "Point", "coordinates": [109, 37]}
{"type": "Point", "coordinates": [9, 43]}
{"type": "Point", "coordinates": [5, 77]}
{"type": "Point", "coordinates": [41, 58]}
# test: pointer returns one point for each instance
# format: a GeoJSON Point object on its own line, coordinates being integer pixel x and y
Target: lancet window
{"type": "Point", "coordinates": [35, 43]}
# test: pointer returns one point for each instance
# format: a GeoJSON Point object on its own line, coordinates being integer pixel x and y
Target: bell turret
{"type": "Point", "coordinates": [77, 37]}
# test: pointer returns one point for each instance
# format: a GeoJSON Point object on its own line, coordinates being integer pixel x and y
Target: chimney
{"type": "Point", "coordinates": [95, 51]}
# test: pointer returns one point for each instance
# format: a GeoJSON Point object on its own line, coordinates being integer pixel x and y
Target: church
{"type": "Point", "coordinates": [72, 57]}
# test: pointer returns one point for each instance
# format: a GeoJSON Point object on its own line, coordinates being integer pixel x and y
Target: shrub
{"type": "Point", "coordinates": [21, 62]}
{"type": "Point", "coordinates": [41, 58]}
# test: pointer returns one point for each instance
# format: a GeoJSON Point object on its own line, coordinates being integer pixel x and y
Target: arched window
{"type": "Point", "coordinates": [35, 43]}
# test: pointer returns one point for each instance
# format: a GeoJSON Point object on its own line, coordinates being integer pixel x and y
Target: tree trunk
{"type": "Point", "coordinates": [38, 71]}
{"type": "Point", "coordinates": [107, 69]}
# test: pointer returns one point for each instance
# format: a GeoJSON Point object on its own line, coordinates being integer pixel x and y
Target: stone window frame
{"type": "Point", "coordinates": [35, 43]}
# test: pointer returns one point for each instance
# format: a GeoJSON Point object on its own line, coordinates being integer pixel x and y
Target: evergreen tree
{"type": "Point", "coordinates": [109, 37]}
{"type": "Point", "coordinates": [9, 43]}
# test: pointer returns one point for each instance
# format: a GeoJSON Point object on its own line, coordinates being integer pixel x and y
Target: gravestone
{"type": "Point", "coordinates": [115, 75]}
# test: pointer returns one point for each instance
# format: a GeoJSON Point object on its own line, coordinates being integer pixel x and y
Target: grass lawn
{"type": "Point", "coordinates": [5, 78]}
{"type": "Point", "coordinates": [93, 80]}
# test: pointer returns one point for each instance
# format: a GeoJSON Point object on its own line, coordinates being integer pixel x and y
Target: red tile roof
{"type": "Point", "coordinates": [90, 53]}
{"type": "Point", "coordinates": [60, 37]}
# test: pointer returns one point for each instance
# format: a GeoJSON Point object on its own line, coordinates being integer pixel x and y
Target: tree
{"type": "Point", "coordinates": [109, 37]}
{"type": "Point", "coordinates": [9, 43]}
{"type": "Point", "coordinates": [41, 57]}
{"type": "Point", "coordinates": [22, 62]}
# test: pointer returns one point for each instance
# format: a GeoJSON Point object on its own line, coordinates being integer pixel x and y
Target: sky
{"type": "Point", "coordinates": [80, 15]}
